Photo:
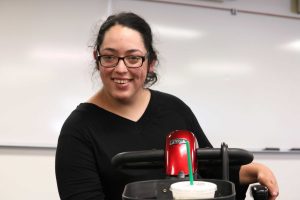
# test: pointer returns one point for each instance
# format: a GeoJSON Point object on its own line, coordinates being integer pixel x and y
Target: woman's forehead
{"type": "Point", "coordinates": [122, 38]}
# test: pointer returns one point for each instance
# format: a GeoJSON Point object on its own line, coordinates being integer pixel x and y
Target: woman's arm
{"type": "Point", "coordinates": [256, 172]}
{"type": "Point", "coordinates": [76, 172]}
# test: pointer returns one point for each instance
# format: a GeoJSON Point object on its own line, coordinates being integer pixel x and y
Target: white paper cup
{"type": "Point", "coordinates": [200, 190]}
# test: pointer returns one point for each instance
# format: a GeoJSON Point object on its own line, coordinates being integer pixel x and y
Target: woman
{"type": "Point", "coordinates": [125, 115]}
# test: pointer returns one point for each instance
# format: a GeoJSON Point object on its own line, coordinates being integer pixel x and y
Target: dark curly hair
{"type": "Point", "coordinates": [137, 23]}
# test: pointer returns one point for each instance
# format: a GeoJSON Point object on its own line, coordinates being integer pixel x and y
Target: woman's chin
{"type": "Point", "coordinates": [122, 96]}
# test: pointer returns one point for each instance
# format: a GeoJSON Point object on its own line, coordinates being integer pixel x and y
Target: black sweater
{"type": "Point", "coordinates": [91, 136]}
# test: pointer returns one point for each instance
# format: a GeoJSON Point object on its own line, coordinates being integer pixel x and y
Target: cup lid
{"type": "Point", "coordinates": [199, 186]}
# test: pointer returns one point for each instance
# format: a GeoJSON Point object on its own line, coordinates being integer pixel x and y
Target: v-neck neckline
{"type": "Point", "coordinates": [142, 117]}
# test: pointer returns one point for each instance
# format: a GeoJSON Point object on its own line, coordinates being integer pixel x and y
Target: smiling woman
{"type": "Point", "coordinates": [125, 115]}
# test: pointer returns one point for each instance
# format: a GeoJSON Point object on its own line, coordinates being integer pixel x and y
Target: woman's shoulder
{"type": "Point", "coordinates": [83, 111]}
{"type": "Point", "coordinates": [80, 117]}
{"type": "Point", "coordinates": [166, 98]}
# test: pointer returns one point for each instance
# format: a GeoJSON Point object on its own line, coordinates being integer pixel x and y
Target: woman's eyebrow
{"type": "Point", "coordinates": [109, 49]}
{"type": "Point", "coordinates": [116, 51]}
{"type": "Point", "coordinates": [134, 50]}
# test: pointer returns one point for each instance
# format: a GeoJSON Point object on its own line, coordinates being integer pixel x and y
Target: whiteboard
{"type": "Point", "coordinates": [45, 66]}
{"type": "Point", "coordinates": [239, 73]}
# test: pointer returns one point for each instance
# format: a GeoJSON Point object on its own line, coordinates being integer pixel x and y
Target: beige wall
{"type": "Point", "coordinates": [27, 174]}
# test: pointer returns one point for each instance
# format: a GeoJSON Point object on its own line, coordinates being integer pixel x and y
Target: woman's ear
{"type": "Point", "coordinates": [95, 55]}
{"type": "Point", "coordinates": [152, 66]}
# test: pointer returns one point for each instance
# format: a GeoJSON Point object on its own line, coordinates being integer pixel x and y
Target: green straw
{"type": "Point", "coordinates": [189, 162]}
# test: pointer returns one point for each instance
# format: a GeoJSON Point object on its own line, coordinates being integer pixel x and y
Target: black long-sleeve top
{"type": "Point", "coordinates": [91, 136]}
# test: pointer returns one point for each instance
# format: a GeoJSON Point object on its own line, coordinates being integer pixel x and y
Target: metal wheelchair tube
{"type": "Point", "coordinates": [225, 162]}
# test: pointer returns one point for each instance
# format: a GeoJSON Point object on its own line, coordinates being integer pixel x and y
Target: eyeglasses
{"type": "Point", "coordinates": [130, 61]}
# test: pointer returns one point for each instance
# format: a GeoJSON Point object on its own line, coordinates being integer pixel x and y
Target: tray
{"type": "Point", "coordinates": [159, 189]}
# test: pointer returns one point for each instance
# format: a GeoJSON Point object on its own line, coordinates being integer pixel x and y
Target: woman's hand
{"type": "Point", "coordinates": [256, 172]}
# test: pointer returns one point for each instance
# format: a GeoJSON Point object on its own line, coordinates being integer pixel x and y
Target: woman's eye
{"type": "Point", "coordinates": [108, 58]}
{"type": "Point", "coordinates": [133, 58]}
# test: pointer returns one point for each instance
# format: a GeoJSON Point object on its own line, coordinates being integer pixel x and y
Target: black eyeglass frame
{"type": "Point", "coordinates": [121, 58]}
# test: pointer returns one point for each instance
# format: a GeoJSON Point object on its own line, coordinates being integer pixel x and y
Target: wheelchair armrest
{"type": "Point", "coordinates": [259, 192]}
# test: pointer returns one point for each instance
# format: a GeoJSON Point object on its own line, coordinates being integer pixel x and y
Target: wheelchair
{"type": "Point", "coordinates": [160, 189]}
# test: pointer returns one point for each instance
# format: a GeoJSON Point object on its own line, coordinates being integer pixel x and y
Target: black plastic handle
{"type": "Point", "coordinates": [147, 157]}
{"type": "Point", "coordinates": [259, 192]}
{"type": "Point", "coordinates": [150, 157]}
{"type": "Point", "coordinates": [236, 156]}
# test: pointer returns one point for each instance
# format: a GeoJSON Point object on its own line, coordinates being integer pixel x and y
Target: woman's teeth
{"type": "Point", "coordinates": [122, 81]}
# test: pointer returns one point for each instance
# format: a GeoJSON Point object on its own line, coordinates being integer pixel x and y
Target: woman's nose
{"type": "Point", "coordinates": [121, 67]}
